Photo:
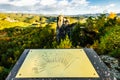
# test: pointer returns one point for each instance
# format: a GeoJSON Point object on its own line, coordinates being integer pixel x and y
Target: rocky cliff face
{"type": "Point", "coordinates": [63, 27]}
{"type": "Point", "coordinates": [60, 20]}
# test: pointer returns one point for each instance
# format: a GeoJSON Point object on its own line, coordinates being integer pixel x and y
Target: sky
{"type": "Point", "coordinates": [66, 7]}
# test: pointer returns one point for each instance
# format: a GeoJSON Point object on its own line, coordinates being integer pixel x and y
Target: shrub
{"type": "Point", "coordinates": [65, 43]}
{"type": "Point", "coordinates": [110, 43]}
{"type": "Point", "coordinates": [3, 72]}
{"type": "Point", "coordinates": [115, 53]}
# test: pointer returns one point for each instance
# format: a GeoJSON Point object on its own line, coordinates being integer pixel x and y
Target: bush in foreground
{"type": "Point", "coordinates": [110, 43]}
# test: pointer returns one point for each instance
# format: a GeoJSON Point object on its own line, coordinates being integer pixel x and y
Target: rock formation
{"type": "Point", "coordinates": [63, 27]}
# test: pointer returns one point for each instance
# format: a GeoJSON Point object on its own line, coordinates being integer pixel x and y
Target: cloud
{"type": "Point", "coordinates": [79, 2]}
{"type": "Point", "coordinates": [110, 6]}
{"type": "Point", "coordinates": [4, 1]}
{"type": "Point", "coordinates": [94, 7]}
{"type": "Point", "coordinates": [55, 6]}
{"type": "Point", "coordinates": [12, 8]}
{"type": "Point", "coordinates": [46, 6]}
{"type": "Point", "coordinates": [6, 6]}
{"type": "Point", "coordinates": [103, 8]}
{"type": "Point", "coordinates": [23, 2]}
{"type": "Point", "coordinates": [63, 3]}
{"type": "Point", "coordinates": [46, 2]}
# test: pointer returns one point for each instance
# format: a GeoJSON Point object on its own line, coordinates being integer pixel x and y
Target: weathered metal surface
{"type": "Point", "coordinates": [56, 63]}
{"type": "Point", "coordinates": [71, 64]}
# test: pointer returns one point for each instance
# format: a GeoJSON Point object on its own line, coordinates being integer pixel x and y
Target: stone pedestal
{"type": "Point", "coordinates": [60, 64]}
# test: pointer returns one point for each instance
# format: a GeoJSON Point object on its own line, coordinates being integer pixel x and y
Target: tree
{"type": "Point", "coordinates": [78, 36]}
{"type": "Point", "coordinates": [118, 21]}
{"type": "Point", "coordinates": [65, 43]}
{"type": "Point", "coordinates": [110, 42]}
{"type": "Point", "coordinates": [112, 15]}
{"type": "Point", "coordinates": [111, 19]}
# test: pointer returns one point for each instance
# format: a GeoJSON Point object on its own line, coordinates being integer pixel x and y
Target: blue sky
{"type": "Point", "coordinates": [67, 7]}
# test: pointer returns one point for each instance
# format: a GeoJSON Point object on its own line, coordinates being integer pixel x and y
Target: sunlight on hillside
{"type": "Point", "coordinates": [72, 20]}
{"type": "Point", "coordinates": [7, 24]}
{"type": "Point", "coordinates": [53, 25]}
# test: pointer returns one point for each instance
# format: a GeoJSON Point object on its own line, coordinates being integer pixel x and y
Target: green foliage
{"type": "Point", "coordinates": [97, 24]}
{"type": "Point", "coordinates": [76, 34]}
{"type": "Point", "coordinates": [20, 39]}
{"type": "Point", "coordinates": [118, 21]}
{"type": "Point", "coordinates": [3, 16]}
{"type": "Point", "coordinates": [7, 24]}
{"type": "Point", "coordinates": [3, 73]}
{"type": "Point", "coordinates": [90, 23]}
{"type": "Point", "coordinates": [111, 22]}
{"type": "Point", "coordinates": [32, 19]}
{"type": "Point", "coordinates": [53, 25]}
{"type": "Point", "coordinates": [39, 32]}
{"type": "Point", "coordinates": [65, 43]}
{"type": "Point", "coordinates": [100, 23]}
{"type": "Point", "coordinates": [115, 53]}
{"type": "Point", "coordinates": [80, 37]}
{"type": "Point", "coordinates": [95, 45]}
{"type": "Point", "coordinates": [1, 69]}
{"type": "Point", "coordinates": [72, 20]}
{"type": "Point", "coordinates": [111, 41]}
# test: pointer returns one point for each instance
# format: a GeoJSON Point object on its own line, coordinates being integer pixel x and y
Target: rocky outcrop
{"type": "Point", "coordinates": [113, 64]}
{"type": "Point", "coordinates": [60, 22]}
{"type": "Point", "coordinates": [63, 27]}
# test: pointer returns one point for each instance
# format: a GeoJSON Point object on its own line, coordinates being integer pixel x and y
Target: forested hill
{"type": "Point", "coordinates": [26, 31]}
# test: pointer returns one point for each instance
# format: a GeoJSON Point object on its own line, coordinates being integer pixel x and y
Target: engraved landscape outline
{"type": "Point", "coordinates": [45, 63]}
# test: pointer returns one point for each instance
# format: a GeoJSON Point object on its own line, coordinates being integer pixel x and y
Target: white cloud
{"type": "Point", "coordinates": [79, 2]}
{"type": "Point", "coordinates": [48, 6]}
{"type": "Point", "coordinates": [24, 2]}
{"type": "Point", "coordinates": [102, 8]}
{"type": "Point", "coordinates": [56, 6]}
{"type": "Point", "coordinates": [47, 2]}
{"type": "Point", "coordinates": [94, 7]}
{"type": "Point", "coordinates": [63, 3]}
{"type": "Point", "coordinates": [110, 6]}
{"type": "Point", "coordinates": [4, 1]}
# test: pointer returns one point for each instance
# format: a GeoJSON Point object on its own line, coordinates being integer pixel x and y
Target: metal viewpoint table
{"type": "Point", "coordinates": [60, 64]}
